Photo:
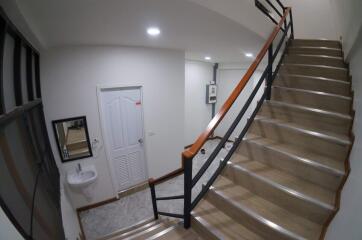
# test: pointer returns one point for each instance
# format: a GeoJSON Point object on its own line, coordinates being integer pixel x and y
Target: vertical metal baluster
{"type": "Point", "coordinates": [291, 26]}
{"type": "Point", "coordinates": [285, 21]}
{"type": "Point", "coordinates": [187, 191]}
{"type": "Point", "coordinates": [270, 72]}
{"type": "Point", "coordinates": [154, 203]}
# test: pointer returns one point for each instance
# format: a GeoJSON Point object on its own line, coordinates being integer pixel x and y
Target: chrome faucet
{"type": "Point", "coordinates": [79, 168]}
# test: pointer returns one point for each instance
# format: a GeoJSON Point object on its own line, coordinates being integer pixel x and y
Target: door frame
{"type": "Point", "coordinates": [103, 131]}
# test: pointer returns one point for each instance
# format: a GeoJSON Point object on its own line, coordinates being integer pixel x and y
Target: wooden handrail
{"type": "Point", "coordinates": [195, 148]}
{"type": "Point", "coordinates": [166, 177]}
{"type": "Point", "coordinates": [190, 152]}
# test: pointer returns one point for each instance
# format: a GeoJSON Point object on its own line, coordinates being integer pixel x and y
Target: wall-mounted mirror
{"type": "Point", "coordinates": [72, 138]}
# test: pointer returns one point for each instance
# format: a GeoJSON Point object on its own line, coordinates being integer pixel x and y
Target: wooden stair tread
{"type": "Point", "coordinates": [317, 43]}
{"type": "Point", "coordinates": [221, 224]}
{"type": "Point", "coordinates": [328, 85]}
{"type": "Point", "coordinates": [314, 118]}
{"type": "Point", "coordinates": [316, 111]}
{"type": "Point", "coordinates": [315, 60]}
{"type": "Point", "coordinates": [149, 233]}
{"type": "Point", "coordinates": [315, 70]}
{"type": "Point", "coordinates": [291, 183]}
{"type": "Point", "coordinates": [267, 210]}
{"type": "Point", "coordinates": [299, 152]}
{"type": "Point", "coordinates": [346, 98]}
{"type": "Point", "coordinates": [341, 138]}
{"type": "Point", "coordinates": [177, 232]}
{"type": "Point", "coordinates": [161, 229]}
{"type": "Point", "coordinates": [144, 233]}
{"type": "Point", "coordinates": [313, 99]}
{"type": "Point", "coordinates": [315, 50]}
{"type": "Point", "coordinates": [132, 229]}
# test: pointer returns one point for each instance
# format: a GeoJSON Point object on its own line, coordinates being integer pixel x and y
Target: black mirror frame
{"type": "Point", "coordinates": [54, 122]}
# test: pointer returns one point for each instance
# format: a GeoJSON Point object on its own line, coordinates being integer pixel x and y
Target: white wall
{"type": "Point", "coordinates": [69, 215]}
{"type": "Point", "coordinates": [70, 221]}
{"type": "Point", "coordinates": [197, 112]}
{"type": "Point", "coordinates": [348, 21]}
{"type": "Point", "coordinates": [313, 19]}
{"type": "Point", "coordinates": [348, 221]}
{"type": "Point", "coordinates": [7, 230]}
{"type": "Point", "coordinates": [227, 79]}
{"type": "Point", "coordinates": [70, 76]}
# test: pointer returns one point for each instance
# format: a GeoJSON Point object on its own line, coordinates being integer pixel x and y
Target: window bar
{"type": "Point", "coordinates": [29, 73]}
{"type": "Point", "coordinates": [37, 75]}
{"type": "Point", "coordinates": [17, 72]}
{"type": "Point", "coordinates": [3, 27]}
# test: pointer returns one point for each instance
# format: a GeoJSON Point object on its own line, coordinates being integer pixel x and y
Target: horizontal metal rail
{"type": "Point", "coordinates": [281, 4]}
{"type": "Point", "coordinates": [170, 198]}
{"type": "Point", "coordinates": [174, 215]}
{"type": "Point", "coordinates": [275, 9]}
{"type": "Point", "coordinates": [223, 163]}
{"type": "Point", "coordinates": [268, 77]}
{"type": "Point", "coordinates": [264, 10]}
{"type": "Point", "coordinates": [281, 42]}
{"type": "Point", "coordinates": [235, 123]}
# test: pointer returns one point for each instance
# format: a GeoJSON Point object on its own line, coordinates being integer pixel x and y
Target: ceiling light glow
{"type": "Point", "coordinates": [249, 55]}
{"type": "Point", "coordinates": [153, 31]}
{"type": "Point", "coordinates": [207, 58]}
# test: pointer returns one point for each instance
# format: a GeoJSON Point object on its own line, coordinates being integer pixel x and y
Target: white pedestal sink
{"type": "Point", "coordinates": [82, 179]}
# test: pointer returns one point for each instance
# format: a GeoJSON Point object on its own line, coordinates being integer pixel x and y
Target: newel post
{"type": "Point", "coordinates": [187, 163]}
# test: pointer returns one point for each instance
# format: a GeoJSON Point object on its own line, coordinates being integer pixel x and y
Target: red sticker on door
{"type": "Point", "coordinates": [138, 103]}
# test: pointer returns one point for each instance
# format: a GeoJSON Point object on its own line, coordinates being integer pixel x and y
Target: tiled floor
{"type": "Point", "coordinates": [134, 208]}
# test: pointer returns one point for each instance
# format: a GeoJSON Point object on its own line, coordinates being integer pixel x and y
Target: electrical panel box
{"type": "Point", "coordinates": [211, 90]}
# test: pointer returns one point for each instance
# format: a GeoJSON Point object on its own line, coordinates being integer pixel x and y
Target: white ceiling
{"type": "Point", "coordinates": [197, 26]}
{"type": "Point", "coordinates": [243, 12]}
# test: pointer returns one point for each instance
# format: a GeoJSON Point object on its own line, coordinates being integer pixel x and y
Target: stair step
{"type": "Point", "coordinates": [299, 162]}
{"type": "Point", "coordinates": [212, 223]}
{"type": "Point", "coordinates": [311, 118]}
{"type": "Point", "coordinates": [325, 143]}
{"type": "Point", "coordinates": [176, 232]}
{"type": "Point", "coordinates": [316, 43]}
{"type": "Point", "coordinates": [148, 232]}
{"type": "Point", "coordinates": [333, 52]}
{"type": "Point", "coordinates": [315, 71]}
{"type": "Point", "coordinates": [320, 100]}
{"type": "Point", "coordinates": [260, 215]}
{"type": "Point", "coordinates": [315, 60]}
{"type": "Point", "coordinates": [314, 84]}
{"type": "Point", "coordinates": [297, 195]}
{"type": "Point", "coordinates": [138, 227]}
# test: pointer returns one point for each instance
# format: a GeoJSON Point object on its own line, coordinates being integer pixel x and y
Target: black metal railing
{"type": "Point", "coordinates": [268, 76]}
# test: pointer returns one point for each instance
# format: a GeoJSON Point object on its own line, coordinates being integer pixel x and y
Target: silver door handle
{"type": "Point", "coordinates": [140, 140]}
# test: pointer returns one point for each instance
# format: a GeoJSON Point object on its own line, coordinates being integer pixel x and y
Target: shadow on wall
{"type": "Point", "coordinates": [348, 221]}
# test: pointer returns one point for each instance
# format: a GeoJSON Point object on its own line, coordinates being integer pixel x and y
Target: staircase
{"type": "Point", "coordinates": [284, 180]}
{"type": "Point", "coordinates": [161, 229]}
{"type": "Point", "coordinates": [282, 177]}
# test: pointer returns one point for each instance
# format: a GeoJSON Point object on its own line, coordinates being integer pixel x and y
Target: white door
{"type": "Point", "coordinates": [123, 125]}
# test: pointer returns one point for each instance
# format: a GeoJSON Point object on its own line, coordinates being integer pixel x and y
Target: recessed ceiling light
{"type": "Point", "coordinates": [207, 58]}
{"type": "Point", "coordinates": [153, 31]}
{"type": "Point", "coordinates": [249, 55]}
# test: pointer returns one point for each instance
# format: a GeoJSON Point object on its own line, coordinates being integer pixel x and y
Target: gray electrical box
{"type": "Point", "coordinates": [211, 90]}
